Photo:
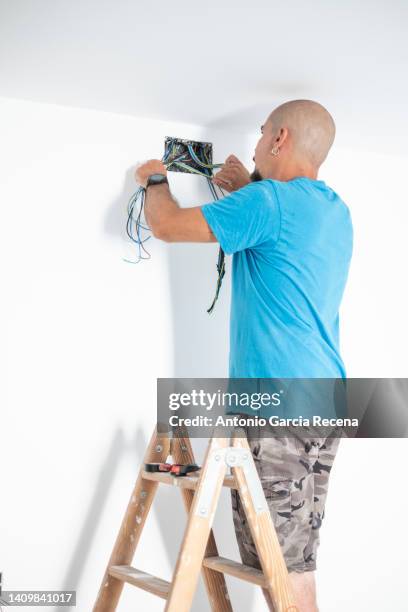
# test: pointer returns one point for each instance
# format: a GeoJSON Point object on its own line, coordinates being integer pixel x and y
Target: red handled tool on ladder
{"type": "Point", "coordinates": [176, 469]}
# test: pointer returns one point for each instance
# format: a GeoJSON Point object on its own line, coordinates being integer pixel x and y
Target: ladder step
{"type": "Point", "coordinates": [233, 568]}
{"type": "Point", "coordinates": [140, 579]}
{"type": "Point", "coordinates": [184, 482]}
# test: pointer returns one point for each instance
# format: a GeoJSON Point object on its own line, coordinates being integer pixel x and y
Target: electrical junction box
{"type": "Point", "coordinates": [179, 153]}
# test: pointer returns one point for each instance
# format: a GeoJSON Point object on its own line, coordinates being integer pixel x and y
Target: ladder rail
{"type": "Point", "coordinates": [263, 533]}
{"type": "Point", "coordinates": [214, 582]}
{"type": "Point", "coordinates": [131, 528]}
{"type": "Point", "coordinates": [195, 541]}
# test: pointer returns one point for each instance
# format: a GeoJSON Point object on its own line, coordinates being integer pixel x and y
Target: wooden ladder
{"type": "Point", "coordinates": [198, 551]}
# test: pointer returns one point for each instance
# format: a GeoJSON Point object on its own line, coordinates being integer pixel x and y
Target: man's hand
{"type": "Point", "coordinates": [233, 175]}
{"type": "Point", "coordinates": [146, 169]}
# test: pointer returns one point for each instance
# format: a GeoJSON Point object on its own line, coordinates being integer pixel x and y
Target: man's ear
{"type": "Point", "coordinates": [281, 137]}
{"type": "Point", "coordinates": [278, 141]}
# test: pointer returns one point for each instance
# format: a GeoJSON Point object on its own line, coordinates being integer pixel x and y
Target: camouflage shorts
{"type": "Point", "coordinates": [294, 473]}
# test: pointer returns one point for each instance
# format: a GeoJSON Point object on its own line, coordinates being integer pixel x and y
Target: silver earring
{"type": "Point", "coordinates": [275, 151]}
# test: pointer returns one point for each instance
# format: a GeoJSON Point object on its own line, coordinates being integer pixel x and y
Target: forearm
{"type": "Point", "coordinates": [160, 207]}
{"type": "Point", "coordinates": [165, 218]}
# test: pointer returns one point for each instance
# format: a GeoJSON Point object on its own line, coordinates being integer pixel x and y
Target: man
{"type": "Point", "coordinates": [291, 239]}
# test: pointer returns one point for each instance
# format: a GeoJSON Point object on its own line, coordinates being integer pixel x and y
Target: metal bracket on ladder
{"type": "Point", "coordinates": [234, 458]}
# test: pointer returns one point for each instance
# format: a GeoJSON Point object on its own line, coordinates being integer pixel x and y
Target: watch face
{"type": "Point", "coordinates": [156, 178]}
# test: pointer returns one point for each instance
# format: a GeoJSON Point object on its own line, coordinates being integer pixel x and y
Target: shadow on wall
{"type": "Point", "coordinates": [86, 534]}
{"type": "Point", "coordinates": [115, 219]}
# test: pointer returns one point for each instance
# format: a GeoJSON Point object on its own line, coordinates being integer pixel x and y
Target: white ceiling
{"type": "Point", "coordinates": [221, 64]}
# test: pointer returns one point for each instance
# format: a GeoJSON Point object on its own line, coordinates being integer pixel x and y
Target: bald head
{"type": "Point", "coordinates": [310, 126]}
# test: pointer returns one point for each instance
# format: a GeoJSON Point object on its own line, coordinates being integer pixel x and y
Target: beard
{"type": "Point", "coordinates": [256, 175]}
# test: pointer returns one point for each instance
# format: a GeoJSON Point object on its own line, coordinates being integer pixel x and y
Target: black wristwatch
{"type": "Point", "coordinates": [156, 179]}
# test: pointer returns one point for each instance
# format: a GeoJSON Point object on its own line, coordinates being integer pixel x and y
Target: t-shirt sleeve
{"type": "Point", "coordinates": [245, 218]}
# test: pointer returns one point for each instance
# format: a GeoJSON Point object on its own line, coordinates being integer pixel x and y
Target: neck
{"type": "Point", "coordinates": [289, 173]}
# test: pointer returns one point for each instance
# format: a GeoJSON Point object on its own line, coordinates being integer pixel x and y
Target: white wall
{"type": "Point", "coordinates": [85, 335]}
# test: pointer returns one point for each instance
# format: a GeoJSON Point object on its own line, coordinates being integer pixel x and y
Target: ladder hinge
{"type": "Point", "coordinates": [235, 458]}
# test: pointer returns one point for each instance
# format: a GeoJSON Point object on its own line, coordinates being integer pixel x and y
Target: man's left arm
{"type": "Point", "coordinates": [164, 216]}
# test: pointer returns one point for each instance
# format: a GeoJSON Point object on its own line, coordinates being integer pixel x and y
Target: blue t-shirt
{"type": "Point", "coordinates": [291, 243]}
